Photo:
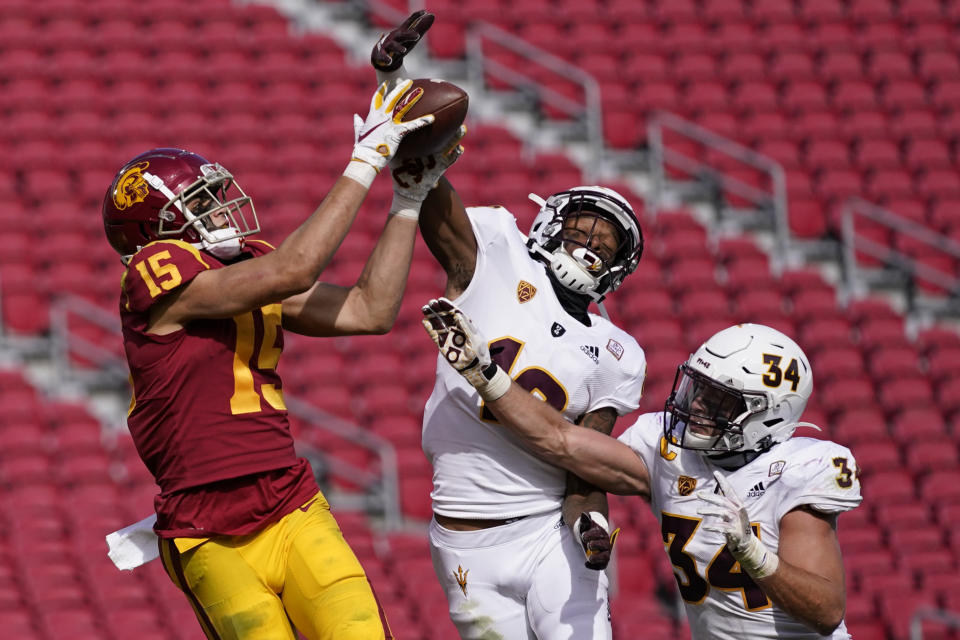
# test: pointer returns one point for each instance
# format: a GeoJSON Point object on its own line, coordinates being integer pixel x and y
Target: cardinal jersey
{"type": "Point", "coordinates": [479, 469]}
{"type": "Point", "coordinates": [207, 408]}
{"type": "Point", "coordinates": [721, 601]}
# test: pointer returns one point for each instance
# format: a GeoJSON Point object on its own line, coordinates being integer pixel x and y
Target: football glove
{"type": "Point", "coordinates": [413, 178]}
{"type": "Point", "coordinates": [388, 53]}
{"type": "Point", "coordinates": [726, 514]}
{"type": "Point", "coordinates": [596, 539]}
{"type": "Point", "coordinates": [376, 139]}
{"type": "Point", "coordinates": [464, 347]}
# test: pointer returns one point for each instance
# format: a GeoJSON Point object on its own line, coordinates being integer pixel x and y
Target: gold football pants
{"type": "Point", "coordinates": [298, 572]}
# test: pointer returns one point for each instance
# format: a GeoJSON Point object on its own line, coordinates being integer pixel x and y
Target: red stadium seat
{"type": "Point", "coordinates": [941, 485]}
{"type": "Point", "coordinates": [902, 516]}
{"type": "Point", "coordinates": [818, 334]}
{"type": "Point", "coordinates": [868, 563]}
{"type": "Point", "coordinates": [860, 539]}
{"type": "Point", "coordinates": [859, 424]}
{"type": "Point", "coordinates": [877, 455]}
{"type": "Point", "coordinates": [894, 362]}
{"type": "Point", "coordinates": [893, 486]}
{"type": "Point", "coordinates": [905, 392]}
{"type": "Point", "coordinates": [918, 423]}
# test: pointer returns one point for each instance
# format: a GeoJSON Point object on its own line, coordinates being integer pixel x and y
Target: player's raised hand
{"type": "Point", "coordinates": [388, 52]}
{"type": "Point", "coordinates": [376, 139]}
{"type": "Point", "coordinates": [413, 178]}
{"type": "Point", "coordinates": [724, 513]}
{"type": "Point", "coordinates": [464, 347]}
{"type": "Point", "coordinates": [596, 539]}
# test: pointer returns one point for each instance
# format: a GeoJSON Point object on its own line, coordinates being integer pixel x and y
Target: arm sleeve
{"type": "Point", "coordinates": [825, 477]}
{"type": "Point", "coordinates": [625, 393]}
{"type": "Point", "coordinates": [159, 268]}
{"type": "Point", "coordinates": [643, 436]}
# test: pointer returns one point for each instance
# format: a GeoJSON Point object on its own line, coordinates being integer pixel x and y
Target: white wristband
{"type": "Point", "coordinates": [495, 387]}
{"type": "Point", "coordinates": [405, 207]}
{"type": "Point", "coordinates": [756, 559]}
{"type": "Point", "coordinates": [360, 171]}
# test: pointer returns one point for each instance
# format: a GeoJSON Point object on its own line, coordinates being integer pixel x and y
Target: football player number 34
{"type": "Point", "coordinates": [504, 352]}
{"type": "Point", "coordinates": [677, 532]}
{"type": "Point", "coordinates": [161, 275]}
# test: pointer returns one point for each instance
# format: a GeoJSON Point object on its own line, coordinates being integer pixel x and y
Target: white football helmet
{"type": "Point", "coordinates": [743, 390]}
{"type": "Point", "coordinates": [581, 270]}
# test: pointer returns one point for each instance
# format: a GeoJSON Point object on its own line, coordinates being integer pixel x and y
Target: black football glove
{"type": "Point", "coordinates": [388, 53]}
{"type": "Point", "coordinates": [596, 539]}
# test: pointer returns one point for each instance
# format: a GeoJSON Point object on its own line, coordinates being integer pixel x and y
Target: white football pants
{"type": "Point", "coordinates": [520, 581]}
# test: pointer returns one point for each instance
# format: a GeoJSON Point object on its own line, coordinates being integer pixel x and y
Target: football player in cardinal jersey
{"type": "Point", "coordinates": [244, 531]}
{"type": "Point", "coordinates": [508, 565]}
{"type": "Point", "coordinates": [748, 513]}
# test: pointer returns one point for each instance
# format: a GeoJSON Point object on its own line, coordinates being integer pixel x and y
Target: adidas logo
{"type": "Point", "coordinates": [757, 490]}
{"type": "Point", "coordinates": [592, 352]}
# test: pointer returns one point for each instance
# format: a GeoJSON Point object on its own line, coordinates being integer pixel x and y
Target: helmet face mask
{"type": "Point", "coordinates": [172, 193]}
{"type": "Point", "coordinates": [565, 230]}
{"type": "Point", "coordinates": [213, 206]}
{"type": "Point", "coordinates": [707, 415]}
{"type": "Point", "coordinates": [742, 391]}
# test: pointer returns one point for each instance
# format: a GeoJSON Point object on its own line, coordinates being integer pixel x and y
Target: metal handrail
{"type": "Point", "coordinates": [381, 488]}
{"type": "Point", "coordinates": [854, 242]}
{"type": "Point", "coordinates": [65, 342]}
{"type": "Point", "coordinates": [662, 156]}
{"type": "Point", "coordinates": [480, 66]}
{"type": "Point", "coordinates": [948, 618]}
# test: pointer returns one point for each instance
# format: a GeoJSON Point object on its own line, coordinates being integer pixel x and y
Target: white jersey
{"type": "Point", "coordinates": [480, 470]}
{"type": "Point", "coordinates": [722, 603]}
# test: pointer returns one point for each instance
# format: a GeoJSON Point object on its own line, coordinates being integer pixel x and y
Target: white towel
{"type": "Point", "coordinates": [134, 545]}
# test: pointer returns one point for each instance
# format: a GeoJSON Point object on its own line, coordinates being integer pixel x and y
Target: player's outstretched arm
{"type": "Point", "coordinates": [372, 303]}
{"type": "Point", "coordinates": [444, 224]}
{"type": "Point", "coordinates": [593, 456]}
{"type": "Point", "coordinates": [804, 577]}
{"type": "Point", "coordinates": [300, 258]}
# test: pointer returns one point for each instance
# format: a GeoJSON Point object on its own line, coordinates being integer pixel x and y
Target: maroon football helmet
{"type": "Point", "coordinates": [175, 194]}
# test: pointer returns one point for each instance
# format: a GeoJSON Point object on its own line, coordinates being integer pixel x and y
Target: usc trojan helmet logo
{"type": "Point", "coordinates": [131, 187]}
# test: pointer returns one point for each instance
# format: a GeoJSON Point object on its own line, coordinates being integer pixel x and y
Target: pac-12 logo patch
{"type": "Point", "coordinates": [686, 485]}
{"type": "Point", "coordinates": [557, 330]}
{"type": "Point", "coordinates": [615, 348]}
{"type": "Point", "coordinates": [525, 291]}
{"type": "Point", "coordinates": [131, 187]}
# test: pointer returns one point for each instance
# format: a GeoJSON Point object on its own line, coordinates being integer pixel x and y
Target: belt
{"type": "Point", "coordinates": [472, 524]}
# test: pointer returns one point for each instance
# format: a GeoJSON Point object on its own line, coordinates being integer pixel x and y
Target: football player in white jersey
{"type": "Point", "coordinates": [509, 566]}
{"type": "Point", "coordinates": [748, 513]}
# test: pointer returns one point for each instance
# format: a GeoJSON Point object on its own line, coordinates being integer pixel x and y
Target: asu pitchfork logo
{"type": "Point", "coordinates": [461, 577]}
{"type": "Point", "coordinates": [131, 187]}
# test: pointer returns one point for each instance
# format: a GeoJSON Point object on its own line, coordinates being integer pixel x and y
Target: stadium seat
{"type": "Point", "coordinates": [893, 486]}
{"type": "Point", "coordinates": [902, 516]}
{"type": "Point", "coordinates": [941, 485]}
{"type": "Point", "coordinates": [877, 455]}
{"type": "Point", "coordinates": [918, 423]}
{"type": "Point", "coordinates": [855, 424]}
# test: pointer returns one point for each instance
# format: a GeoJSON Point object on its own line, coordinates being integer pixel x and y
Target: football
{"type": "Point", "coordinates": [448, 104]}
